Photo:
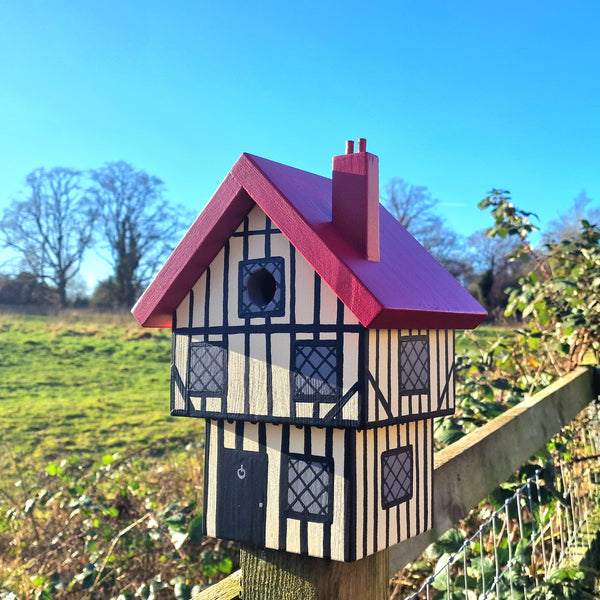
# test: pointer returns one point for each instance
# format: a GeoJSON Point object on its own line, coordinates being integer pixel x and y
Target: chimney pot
{"type": "Point", "coordinates": [362, 144]}
{"type": "Point", "coordinates": [349, 146]}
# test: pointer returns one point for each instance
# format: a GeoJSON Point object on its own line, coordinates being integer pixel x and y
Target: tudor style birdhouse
{"type": "Point", "coordinates": [316, 337]}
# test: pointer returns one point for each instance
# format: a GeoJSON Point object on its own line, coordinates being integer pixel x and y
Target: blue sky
{"type": "Point", "coordinates": [458, 96]}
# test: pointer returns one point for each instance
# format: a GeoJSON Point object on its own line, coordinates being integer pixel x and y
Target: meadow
{"type": "Point", "coordinates": [81, 384]}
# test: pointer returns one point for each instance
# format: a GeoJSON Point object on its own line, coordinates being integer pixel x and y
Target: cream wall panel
{"type": "Point", "coordinates": [328, 335]}
{"type": "Point", "coordinates": [235, 379]}
{"type": "Point", "coordinates": [403, 508]}
{"type": "Point", "coordinates": [370, 499]}
{"type": "Point", "coordinates": [258, 375]}
{"type": "Point", "coordinates": [196, 403]}
{"type": "Point", "coordinates": [359, 491]}
{"type": "Point", "coordinates": [213, 405]}
{"type": "Point", "coordinates": [372, 400]}
{"type": "Point", "coordinates": [229, 435]}
{"type": "Point", "coordinates": [305, 289]}
{"type": "Point", "coordinates": [250, 442]}
{"type": "Point", "coordinates": [413, 501]}
{"type": "Point", "coordinates": [236, 245]}
{"type": "Point", "coordinates": [349, 317]}
{"type": "Point", "coordinates": [304, 410]}
{"type": "Point", "coordinates": [280, 357]}
{"type": "Point", "coordinates": [329, 301]}
{"type": "Point", "coordinates": [381, 512]}
{"type": "Point", "coordinates": [350, 410]}
{"type": "Point", "coordinates": [292, 542]}
{"type": "Point", "coordinates": [183, 312]}
{"type": "Point", "coordinates": [315, 539]}
{"type": "Point", "coordinates": [394, 374]}
{"type": "Point", "coordinates": [215, 299]}
{"type": "Point", "coordinates": [318, 441]}
{"type": "Point", "coordinates": [181, 359]}
{"type": "Point", "coordinates": [337, 525]}
{"type": "Point", "coordinates": [350, 371]}
{"type": "Point", "coordinates": [256, 246]}
{"type": "Point", "coordinates": [296, 440]}
{"type": "Point", "coordinates": [211, 504]}
{"type": "Point", "coordinates": [257, 220]}
{"type": "Point", "coordinates": [433, 369]}
{"type": "Point", "coordinates": [273, 449]}
{"type": "Point", "coordinates": [199, 290]}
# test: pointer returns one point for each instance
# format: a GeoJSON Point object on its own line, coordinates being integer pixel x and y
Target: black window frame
{"type": "Point", "coordinates": [333, 348]}
{"type": "Point", "coordinates": [247, 308]}
{"type": "Point", "coordinates": [404, 342]}
{"type": "Point", "coordinates": [386, 457]}
{"type": "Point", "coordinates": [326, 514]}
{"type": "Point", "coordinates": [208, 392]}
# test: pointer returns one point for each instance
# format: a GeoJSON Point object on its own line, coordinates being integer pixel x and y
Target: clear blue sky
{"type": "Point", "coordinates": [457, 96]}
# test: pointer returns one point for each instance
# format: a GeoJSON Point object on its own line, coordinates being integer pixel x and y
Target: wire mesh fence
{"type": "Point", "coordinates": [537, 532]}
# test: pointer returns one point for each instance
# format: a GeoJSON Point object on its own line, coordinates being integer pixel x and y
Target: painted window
{"type": "Point", "coordinates": [207, 369]}
{"type": "Point", "coordinates": [316, 371]}
{"type": "Point", "coordinates": [309, 488]}
{"type": "Point", "coordinates": [414, 365]}
{"type": "Point", "coordinates": [261, 285]}
{"type": "Point", "coordinates": [396, 476]}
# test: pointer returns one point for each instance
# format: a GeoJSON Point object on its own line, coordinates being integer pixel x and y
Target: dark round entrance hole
{"type": "Point", "coordinates": [261, 287]}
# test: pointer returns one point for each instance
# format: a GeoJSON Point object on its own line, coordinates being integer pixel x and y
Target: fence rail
{"type": "Point", "coordinates": [468, 470]}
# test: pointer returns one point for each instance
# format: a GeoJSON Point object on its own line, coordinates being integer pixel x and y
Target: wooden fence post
{"type": "Point", "coordinates": [274, 575]}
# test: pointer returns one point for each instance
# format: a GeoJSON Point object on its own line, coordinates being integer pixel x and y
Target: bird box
{"type": "Point", "coordinates": [316, 337]}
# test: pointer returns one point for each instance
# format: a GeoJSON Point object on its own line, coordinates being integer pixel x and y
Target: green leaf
{"type": "Point", "coordinates": [107, 459]}
{"type": "Point", "coordinates": [53, 469]}
{"type": "Point", "coordinates": [450, 542]}
{"type": "Point", "coordinates": [501, 384]}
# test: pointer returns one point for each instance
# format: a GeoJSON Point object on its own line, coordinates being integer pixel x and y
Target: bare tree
{"type": "Point", "coordinates": [568, 224]}
{"type": "Point", "coordinates": [139, 226]}
{"type": "Point", "coordinates": [414, 207]}
{"type": "Point", "coordinates": [52, 228]}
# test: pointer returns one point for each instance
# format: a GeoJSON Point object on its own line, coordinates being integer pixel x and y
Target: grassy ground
{"type": "Point", "coordinates": [84, 384]}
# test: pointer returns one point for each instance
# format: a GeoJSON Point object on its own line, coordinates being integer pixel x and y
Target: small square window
{"type": "Point", "coordinates": [414, 365]}
{"type": "Point", "coordinates": [316, 371]}
{"type": "Point", "coordinates": [207, 369]}
{"type": "Point", "coordinates": [261, 285]}
{"type": "Point", "coordinates": [309, 484]}
{"type": "Point", "coordinates": [396, 476]}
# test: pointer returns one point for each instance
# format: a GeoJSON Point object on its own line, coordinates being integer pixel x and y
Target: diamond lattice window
{"type": "Point", "coordinates": [414, 365]}
{"type": "Point", "coordinates": [207, 369]}
{"type": "Point", "coordinates": [309, 488]}
{"type": "Point", "coordinates": [396, 476]}
{"type": "Point", "coordinates": [261, 284]}
{"type": "Point", "coordinates": [316, 373]}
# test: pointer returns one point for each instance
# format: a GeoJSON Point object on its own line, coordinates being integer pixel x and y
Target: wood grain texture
{"type": "Point", "coordinates": [227, 589]}
{"type": "Point", "coordinates": [407, 287]}
{"type": "Point", "coordinates": [272, 575]}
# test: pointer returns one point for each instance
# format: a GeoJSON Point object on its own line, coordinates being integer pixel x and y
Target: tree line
{"type": "Point", "coordinates": [117, 210]}
{"type": "Point", "coordinates": [122, 213]}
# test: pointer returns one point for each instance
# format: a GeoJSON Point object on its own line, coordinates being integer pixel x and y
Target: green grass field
{"type": "Point", "coordinates": [83, 384]}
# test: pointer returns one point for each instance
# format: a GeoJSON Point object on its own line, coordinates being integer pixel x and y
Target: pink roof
{"type": "Point", "coordinates": [407, 288]}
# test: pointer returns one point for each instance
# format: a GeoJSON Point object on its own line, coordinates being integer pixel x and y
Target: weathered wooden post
{"type": "Point", "coordinates": [315, 336]}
